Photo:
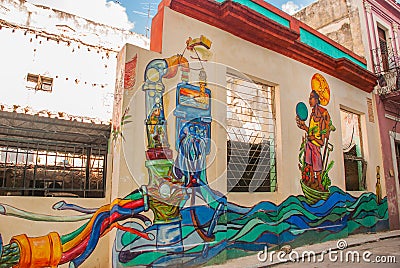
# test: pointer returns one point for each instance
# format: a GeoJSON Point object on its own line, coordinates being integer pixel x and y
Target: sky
{"type": "Point", "coordinates": [137, 10]}
{"type": "Point", "coordinates": [133, 14]}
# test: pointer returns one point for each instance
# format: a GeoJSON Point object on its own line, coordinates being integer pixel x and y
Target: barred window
{"type": "Point", "coordinates": [251, 136]}
{"type": "Point", "coordinates": [51, 157]}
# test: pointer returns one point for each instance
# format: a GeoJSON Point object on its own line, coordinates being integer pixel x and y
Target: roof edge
{"type": "Point", "coordinates": [258, 29]}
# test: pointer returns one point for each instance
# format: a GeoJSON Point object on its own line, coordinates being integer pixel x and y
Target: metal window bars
{"type": "Point", "coordinates": [51, 168]}
{"type": "Point", "coordinates": [386, 65]}
{"type": "Point", "coordinates": [251, 136]}
{"type": "Point", "coordinates": [42, 156]}
{"type": "Point", "coordinates": [385, 58]}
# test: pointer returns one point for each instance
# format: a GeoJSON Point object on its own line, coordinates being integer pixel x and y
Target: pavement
{"type": "Point", "coordinates": [352, 241]}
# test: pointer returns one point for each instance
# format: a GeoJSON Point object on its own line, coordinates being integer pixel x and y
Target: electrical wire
{"type": "Point", "coordinates": [101, 222]}
{"type": "Point", "coordinates": [19, 213]}
{"type": "Point", "coordinates": [62, 205]}
{"type": "Point", "coordinates": [72, 235]}
{"type": "Point", "coordinates": [93, 239]}
{"type": "Point", "coordinates": [78, 249]}
{"type": "Point", "coordinates": [67, 240]}
{"type": "Point", "coordinates": [68, 245]}
{"type": "Point", "coordinates": [10, 255]}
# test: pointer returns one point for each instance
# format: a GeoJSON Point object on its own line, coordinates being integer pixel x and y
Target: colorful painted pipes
{"type": "Point", "coordinates": [43, 251]}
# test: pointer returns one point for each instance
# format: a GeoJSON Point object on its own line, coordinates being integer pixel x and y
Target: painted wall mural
{"type": "Point", "coordinates": [194, 224]}
{"type": "Point", "coordinates": [315, 147]}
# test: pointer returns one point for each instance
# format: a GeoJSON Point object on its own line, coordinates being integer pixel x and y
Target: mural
{"type": "Point", "coordinates": [194, 224]}
{"type": "Point", "coordinates": [130, 73]}
{"type": "Point", "coordinates": [313, 164]}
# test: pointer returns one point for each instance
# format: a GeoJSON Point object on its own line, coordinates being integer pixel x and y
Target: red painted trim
{"type": "Point", "coordinates": [249, 25]}
{"type": "Point", "coordinates": [385, 14]}
{"type": "Point", "coordinates": [163, 3]}
{"type": "Point", "coordinates": [157, 25]}
{"type": "Point", "coordinates": [295, 25]}
{"type": "Point", "coordinates": [232, 17]}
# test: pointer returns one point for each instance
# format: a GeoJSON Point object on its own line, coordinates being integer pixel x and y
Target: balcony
{"type": "Point", "coordinates": [386, 64]}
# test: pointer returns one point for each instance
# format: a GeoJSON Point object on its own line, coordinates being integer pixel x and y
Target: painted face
{"type": "Point", "coordinates": [312, 100]}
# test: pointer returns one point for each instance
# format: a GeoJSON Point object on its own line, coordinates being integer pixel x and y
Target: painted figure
{"type": "Point", "coordinates": [317, 134]}
{"type": "Point", "coordinates": [315, 147]}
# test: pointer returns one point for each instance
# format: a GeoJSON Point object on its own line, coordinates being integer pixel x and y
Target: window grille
{"type": "Point", "coordinates": [251, 136]}
{"type": "Point", "coordinates": [43, 168]}
{"type": "Point", "coordinates": [383, 45]}
{"type": "Point", "coordinates": [51, 157]}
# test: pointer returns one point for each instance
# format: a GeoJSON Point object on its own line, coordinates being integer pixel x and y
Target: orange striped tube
{"type": "Point", "coordinates": [43, 251]}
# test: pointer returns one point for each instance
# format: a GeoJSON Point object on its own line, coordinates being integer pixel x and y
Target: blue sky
{"type": "Point", "coordinates": [135, 7]}
{"type": "Point", "coordinates": [132, 14]}
{"type": "Point", "coordinates": [137, 12]}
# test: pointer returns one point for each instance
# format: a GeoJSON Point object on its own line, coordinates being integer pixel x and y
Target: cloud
{"type": "Point", "coordinates": [101, 11]}
{"type": "Point", "coordinates": [290, 7]}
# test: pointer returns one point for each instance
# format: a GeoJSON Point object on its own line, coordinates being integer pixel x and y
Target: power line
{"type": "Point", "coordinates": [148, 9]}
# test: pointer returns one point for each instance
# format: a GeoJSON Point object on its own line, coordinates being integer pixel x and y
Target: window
{"type": "Point", "coordinates": [38, 82]}
{"type": "Point", "coordinates": [251, 136]}
{"type": "Point", "coordinates": [355, 166]}
{"type": "Point", "coordinates": [51, 157]}
{"type": "Point", "coordinates": [384, 48]}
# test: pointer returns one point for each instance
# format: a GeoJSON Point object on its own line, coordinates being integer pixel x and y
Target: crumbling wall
{"type": "Point", "coordinates": [337, 19]}
{"type": "Point", "coordinates": [64, 24]}
{"type": "Point", "coordinates": [76, 55]}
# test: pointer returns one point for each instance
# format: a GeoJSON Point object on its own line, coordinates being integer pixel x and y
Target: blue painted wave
{"type": "Point", "coordinates": [241, 229]}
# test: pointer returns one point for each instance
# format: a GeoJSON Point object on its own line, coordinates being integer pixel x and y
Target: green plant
{"type": "Point", "coordinates": [325, 180]}
{"type": "Point", "coordinates": [117, 130]}
{"type": "Point", "coordinates": [302, 163]}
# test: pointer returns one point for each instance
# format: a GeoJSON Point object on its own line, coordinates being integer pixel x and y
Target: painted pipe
{"type": "Point", "coordinates": [173, 63]}
{"type": "Point", "coordinates": [62, 205]}
{"type": "Point", "coordinates": [43, 251]}
{"type": "Point", "coordinates": [8, 210]}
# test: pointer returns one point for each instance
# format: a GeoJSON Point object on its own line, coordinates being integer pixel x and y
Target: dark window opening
{"type": "Point", "coordinates": [355, 166]}
{"type": "Point", "coordinates": [250, 167]}
{"type": "Point", "coordinates": [384, 48]}
{"type": "Point", "coordinates": [251, 136]}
